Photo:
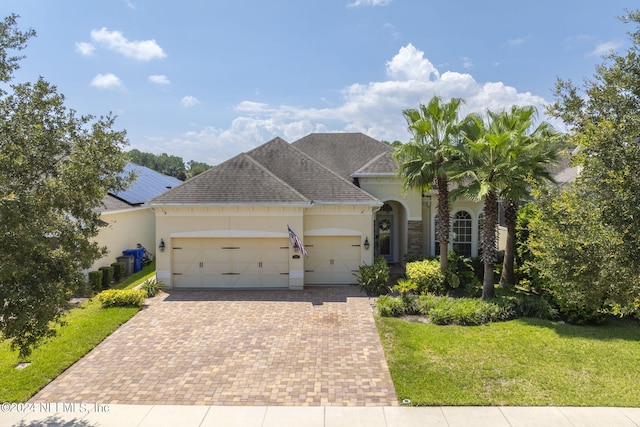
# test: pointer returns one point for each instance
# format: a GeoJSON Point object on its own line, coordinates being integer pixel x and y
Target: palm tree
{"type": "Point", "coordinates": [537, 152]}
{"type": "Point", "coordinates": [425, 160]}
{"type": "Point", "coordinates": [501, 159]}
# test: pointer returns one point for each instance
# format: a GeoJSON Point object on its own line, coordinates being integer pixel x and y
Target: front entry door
{"type": "Point", "coordinates": [384, 237]}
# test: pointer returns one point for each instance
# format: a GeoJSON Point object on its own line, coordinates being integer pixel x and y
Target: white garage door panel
{"type": "Point", "coordinates": [229, 263]}
{"type": "Point", "coordinates": [332, 260]}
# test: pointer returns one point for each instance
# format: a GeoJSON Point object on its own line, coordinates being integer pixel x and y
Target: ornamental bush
{"type": "Point", "coordinates": [107, 276]}
{"type": "Point", "coordinates": [374, 279]}
{"type": "Point", "coordinates": [122, 298]}
{"type": "Point", "coordinates": [118, 271]}
{"type": "Point", "coordinates": [95, 280]}
{"type": "Point", "coordinates": [427, 276]}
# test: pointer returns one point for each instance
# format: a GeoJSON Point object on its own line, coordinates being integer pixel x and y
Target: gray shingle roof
{"type": "Point", "coordinates": [273, 173]}
{"type": "Point", "coordinates": [344, 153]}
{"type": "Point", "coordinates": [382, 164]}
{"type": "Point", "coordinates": [307, 175]}
{"type": "Point", "coordinates": [239, 180]}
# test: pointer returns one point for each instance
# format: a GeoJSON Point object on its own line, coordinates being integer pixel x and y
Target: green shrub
{"type": "Point", "coordinates": [95, 280]}
{"type": "Point", "coordinates": [531, 306]}
{"type": "Point", "coordinates": [374, 279]}
{"type": "Point", "coordinates": [443, 310]}
{"type": "Point", "coordinates": [118, 271]}
{"type": "Point", "coordinates": [461, 275]}
{"type": "Point", "coordinates": [107, 276]}
{"type": "Point", "coordinates": [389, 306]}
{"type": "Point", "coordinates": [121, 298]}
{"type": "Point", "coordinates": [152, 287]}
{"type": "Point", "coordinates": [427, 276]}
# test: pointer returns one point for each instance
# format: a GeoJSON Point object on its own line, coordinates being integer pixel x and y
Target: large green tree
{"type": "Point", "coordinates": [426, 160]}
{"type": "Point", "coordinates": [55, 168]}
{"type": "Point", "coordinates": [603, 116]}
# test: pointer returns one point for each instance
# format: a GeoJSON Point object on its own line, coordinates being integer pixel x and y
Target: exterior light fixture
{"type": "Point", "coordinates": [296, 248]}
{"type": "Point", "coordinates": [367, 245]}
{"type": "Point", "coordinates": [161, 246]}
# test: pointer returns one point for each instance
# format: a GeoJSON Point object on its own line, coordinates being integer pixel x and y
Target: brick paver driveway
{"type": "Point", "coordinates": [313, 347]}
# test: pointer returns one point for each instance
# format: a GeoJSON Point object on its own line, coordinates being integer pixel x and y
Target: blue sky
{"type": "Point", "coordinates": [207, 80]}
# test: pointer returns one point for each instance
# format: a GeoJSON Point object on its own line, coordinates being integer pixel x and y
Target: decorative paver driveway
{"type": "Point", "coordinates": [319, 346]}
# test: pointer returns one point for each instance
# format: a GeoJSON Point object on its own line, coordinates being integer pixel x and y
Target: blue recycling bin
{"type": "Point", "coordinates": [137, 254]}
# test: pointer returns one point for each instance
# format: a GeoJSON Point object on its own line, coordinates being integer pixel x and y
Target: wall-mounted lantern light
{"type": "Point", "coordinates": [296, 248]}
{"type": "Point", "coordinates": [366, 243]}
{"type": "Point", "coordinates": [161, 246]}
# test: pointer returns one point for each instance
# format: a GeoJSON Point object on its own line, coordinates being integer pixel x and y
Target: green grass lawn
{"type": "Point", "coordinates": [86, 326]}
{"type": "Point", "coordinates": [524, 362]}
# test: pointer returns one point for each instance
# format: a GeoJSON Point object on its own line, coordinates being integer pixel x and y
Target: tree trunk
{"type": "Point", "coordinates": [489, 243]}
{"type": "Point", "coordinates": [508, 276]}
{"type": "Point", "coordinates": [444, 222]}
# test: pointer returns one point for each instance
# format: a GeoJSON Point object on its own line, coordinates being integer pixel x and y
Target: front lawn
{"type": "Point", "coordinates": [86, 326]}
{"type": "Point", "coordinates": [524, 362]}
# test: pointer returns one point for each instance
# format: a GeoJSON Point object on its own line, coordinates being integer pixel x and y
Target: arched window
{"type": "Point", "coordinates": [462, 234]}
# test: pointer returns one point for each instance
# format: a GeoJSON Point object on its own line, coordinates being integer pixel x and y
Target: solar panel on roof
{"type": "Point", "coordinates": [147, 185]}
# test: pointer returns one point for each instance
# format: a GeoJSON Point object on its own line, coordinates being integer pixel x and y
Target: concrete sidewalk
{"type": "Point", "coordinates": [89, 415]}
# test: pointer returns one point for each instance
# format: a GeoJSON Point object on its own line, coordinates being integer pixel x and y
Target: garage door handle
{"type": "Point", "coordinates": [230, 274]}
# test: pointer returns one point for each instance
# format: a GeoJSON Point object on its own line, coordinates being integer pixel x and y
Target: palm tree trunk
{"type": "Point", "coordinates": [508, 276]}
{"type": "Point", "coordinates": [489, 243]}
{"type": "Point", "coordinates": [443, 225]}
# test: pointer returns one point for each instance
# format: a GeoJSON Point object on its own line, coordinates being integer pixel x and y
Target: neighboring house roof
{"type": "Point", "coordinates": [344, 153]}
{"type": "Point", "coordinates": [276, 173]}
{"type": "Point", "coordinates": [147, 184]}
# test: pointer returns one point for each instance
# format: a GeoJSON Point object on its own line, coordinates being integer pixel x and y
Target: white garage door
{"type": "Point", "coordinates": [332, 260]}
{"type": "Point", "coordinates": [230, 263]}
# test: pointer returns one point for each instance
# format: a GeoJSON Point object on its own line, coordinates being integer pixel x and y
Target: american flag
{"type": "Point", "coordinates": [296, 241]}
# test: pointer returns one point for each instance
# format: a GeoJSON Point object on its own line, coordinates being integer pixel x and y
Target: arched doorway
{"type": "Point", "coordinates": [390, 230]}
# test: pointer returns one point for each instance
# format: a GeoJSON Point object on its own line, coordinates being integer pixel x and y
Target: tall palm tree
{"type": "Point", "coordinates": [537, 152]}
{"type": "Point", "coordinates": [425, 160]}
{"type": "Point", "coordinates": [501, 158]}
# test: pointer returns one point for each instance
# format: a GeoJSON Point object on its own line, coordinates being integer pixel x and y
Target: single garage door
{"type": "Point", "coordinates": [230, 263]}
{"type": "Point", "coordinates": [331, 260]}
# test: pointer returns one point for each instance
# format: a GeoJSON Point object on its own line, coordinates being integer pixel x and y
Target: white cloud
{"type": "Point", "coordinates": [605, 48]}
{"type": "Point", "coordinates": [410, 63]}
{"type": "Point", "coordinates": [467, 62]}
{"type": "Point", "coordinates": [143, 50]}
{"type": "Point", "coordinates": [391, 29]}
{"type": "Point", "coordinates": [514, 42]}
{"type": "Point", "coordinates": [106, 81]}
{"type": "Point", "coordinates": [130, 4]}
{"type": "Point", "coordinates": [85, 49]}
{"type": "Point", "coordinates": [374, 108]}
{"type": "Point", "coordinates": [159, 79]}
{"type": "Point", "coordinates": [357, 3]}
{"type": "Point", "coordinates": [189, 101]}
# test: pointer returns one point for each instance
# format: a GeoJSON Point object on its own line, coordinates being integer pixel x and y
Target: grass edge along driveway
{"type": "Point", "coordinates": [86, 327]}
{"type": "Point", "coordinates": [523, 362]}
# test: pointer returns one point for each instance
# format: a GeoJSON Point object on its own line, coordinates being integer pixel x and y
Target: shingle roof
{"type": "Point", "coordinates": [344, 153]}
{"type": "Point", "coordinates": [238, 180]}
{"type": "Point", "coordinates": [148, 184]}
{"type": "Point", "coordinates": [274, 173]}
{"type": "Point", "coordinates": [382, 164]}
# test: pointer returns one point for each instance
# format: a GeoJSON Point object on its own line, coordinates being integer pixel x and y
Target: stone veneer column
{"type": "Point", "coordinates": [414, 239]}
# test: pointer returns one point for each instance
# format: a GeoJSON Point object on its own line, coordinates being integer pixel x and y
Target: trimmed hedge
{"type": "Point", "coordinates": [374, 279]}
{"type": "Point", "coordinates": [107, 276]}
{"type": "Point", "coordinates": [426, 275]}
{"type": "Point", "coordinates": [95, 280]}
{"type": "Point", "coordinates": [121, 298]}
{"type": "Point", "coordinates": [118, 271]}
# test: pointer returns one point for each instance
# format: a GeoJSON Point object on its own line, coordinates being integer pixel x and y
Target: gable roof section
{"type": "Point", "coordinates": [312, 179]}
{"type": "Point", "coordinates": [382, 164]}
{"type": "Point", "coordinates": [344, 153]}
{"type": "Point", "coordinates": [239, 180]}
{"type": "Point", "coordinates": [148, 184]}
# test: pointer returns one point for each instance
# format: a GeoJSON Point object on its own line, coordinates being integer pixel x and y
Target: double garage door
{"type": "Point", "coordinates": [262, 262]}
{"type": "Point", "coordinates": [230, 263]}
